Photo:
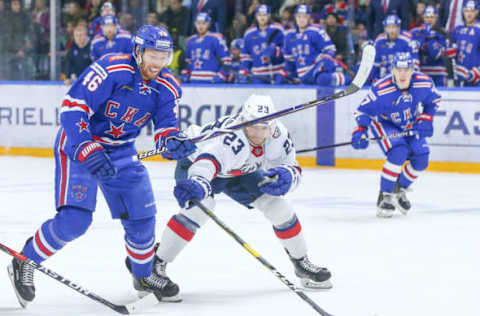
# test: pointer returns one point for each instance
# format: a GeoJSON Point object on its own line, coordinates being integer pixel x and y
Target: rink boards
{"type": "Point", "coordinates": [29, 121]}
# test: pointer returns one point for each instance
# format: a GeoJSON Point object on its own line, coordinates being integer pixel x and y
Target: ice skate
{"type": "Point", "coordinates": [157, 283]}
{"type": "Point", "coordinates": [385, 205]}
{"type": "Point", "coordinates": [21, 275]}
{"type": "Point", "coordinates": [403, 203]}
{"type": "Point", "coordinates": [311, 276]}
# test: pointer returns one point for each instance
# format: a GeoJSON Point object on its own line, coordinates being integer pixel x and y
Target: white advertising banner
{"type": "Point", "coordinates": [29, 113]}
{"type": "Point", "coordinates": [456, 127]}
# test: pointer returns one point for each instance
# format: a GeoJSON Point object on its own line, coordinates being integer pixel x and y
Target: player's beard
{"type": "Point", "coordinates": [148, 73]}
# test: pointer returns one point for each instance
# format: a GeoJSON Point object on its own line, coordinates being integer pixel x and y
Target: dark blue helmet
{"type": "Point", "coordinates": [392, 19]}
{"type": "Point", "coordinates": [262, 9]}
{"type": "Point", "coordinates": [203, 17]}
{"type": "Point", "coordinates": [402, 60]}
{"type": "Point", "coordinates": [109, 19]}
{"type": "Point", "coordinates": [470, 5]}
{"type": "Point", "coordinates": [153, 37]}
{"type": "Point", "coordinates": [303, 8]}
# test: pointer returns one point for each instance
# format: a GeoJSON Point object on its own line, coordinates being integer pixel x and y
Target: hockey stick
{"type": "Point", "coordinates": [368, 56]}
{"type": "Point", "coordinates": [394, 135]}
{"type": "Point", "coordinates": [146, 302]}
{"type": "Point", "coordinates": [265, 263]}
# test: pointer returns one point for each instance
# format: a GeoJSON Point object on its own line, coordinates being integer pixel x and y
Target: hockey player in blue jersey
{"type": "Point", "coordinates": [310, 54]}
{"type": "Point", "coordinates": [95, 27]}
{"type": "Point", "coordinates": [101, 115]}
{"type": "Point", "coordinates": [467, 41]}
{"type": "Point", "coordinates": [405, 100]}
{"type": "Point", "coordinates": [205, 54]}
{"type": "Point", "coordinates": [389, 43]}
{"type": "Point", "coordinates": [236, 47]}
{"type": "Point", "coordinates": [111, 40]}
{"type": "Point", "coordinates": [236, 164]}
{"type": "Point", "coordinates": [262, 58]}
{"type": "Point", "coordinates": [431, 47]}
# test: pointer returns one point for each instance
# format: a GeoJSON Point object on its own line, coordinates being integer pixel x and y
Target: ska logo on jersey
{"type": "Point", "coordinates": [144, 89]}
{"type": "Point", "coordinates": [79, 192]}
{"type": "Point", "coordinates": [115, 131]}
{"type": "Point", "coordinates": [83, 126]}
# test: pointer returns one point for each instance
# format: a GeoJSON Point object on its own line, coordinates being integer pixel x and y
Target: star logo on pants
{"type": "Point", "coordinates": [83, 126]}
{"type": "Point", "coordinates": [115, 131]}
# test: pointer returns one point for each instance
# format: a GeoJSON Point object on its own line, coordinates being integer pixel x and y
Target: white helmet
{"type": "Point", "coordinates": [258, 106]}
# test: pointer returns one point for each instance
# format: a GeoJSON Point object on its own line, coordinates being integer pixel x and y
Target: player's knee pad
{"type": "Point", "coordinates": [140, 230]}
{"type": "Point", "coordinates": [196, 215]}
{"type": "Point", "coordinates": [275, 208]}
{"type": "Point", "coordinates": [398, 154]}
{"type": "Point", "coordinates": [419, 162]}
{"type": "Point", "coordinates": [71, 222]}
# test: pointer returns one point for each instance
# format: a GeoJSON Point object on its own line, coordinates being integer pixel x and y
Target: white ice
{"type": "Point", "coordinates": [426, 263]}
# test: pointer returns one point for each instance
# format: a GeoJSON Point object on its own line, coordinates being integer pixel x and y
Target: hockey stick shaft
{"type": "Point", "coordinates": [396, 135]}
{"type": "Point", "coordinates": [368, 56]}
{"type": "Point", "coordinates": [264, 262]}
{"type": "Point", "coordinates": [122, 309]}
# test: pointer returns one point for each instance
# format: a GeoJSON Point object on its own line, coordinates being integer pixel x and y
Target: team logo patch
{"type": "Point", "coordinates": [79, 193]}
{"type": "Point", "coordinates": [82, 125]}
{"type": "Point", "coordinates": [144, 89]}
{"type": "Point", "coordinates": [257, 151]}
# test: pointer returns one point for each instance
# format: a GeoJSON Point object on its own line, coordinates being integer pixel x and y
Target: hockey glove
{"type": "Point", "coordinates": [424, 125]}
{"type": "Point", "coordinates": [178, 146]}
{"type": "Point", "coordinates": [93, 156]}
{"type": "Point", "coordinates": [281, 181]}
{"type": "Point", "coordinates": [194, 188]}
{"type": "Point", "coordinates": [360, 138]}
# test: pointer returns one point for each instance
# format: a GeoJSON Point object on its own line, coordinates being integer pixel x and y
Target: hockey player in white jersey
{"type": "Point", "coordinates": [237, 164]}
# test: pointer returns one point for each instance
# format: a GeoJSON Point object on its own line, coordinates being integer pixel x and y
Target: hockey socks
{"type": "Point", "coordinates": [291, 237]}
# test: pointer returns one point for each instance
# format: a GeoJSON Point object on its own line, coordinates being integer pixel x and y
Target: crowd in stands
{"type": "Point", "coordinates": [248, 41]}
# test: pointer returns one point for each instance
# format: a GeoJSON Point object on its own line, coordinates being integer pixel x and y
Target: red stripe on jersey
{"type": "Point", "coordinates": [382, 134]}
{"type": "Point", "coordinates": [63, 170]}
{"type": "Point", "coordinates": [41, 246]}
{"type": "Point", "coordinates": [120, 67]}
{"type": "Point", "coordinates": [180, 230]}
{"type": "Point", "coordinates": [70, 104]}
{"type": "Point", "coordinates": [289, 233]}
{"type": "Point", "coordinates": [173, 78]}
{"type": "Point", "coordinates": [165, 133]}
{"type": "Point", "coordinates": [169, 87]}
{"type": "Point", "coordinates": [215, 163]}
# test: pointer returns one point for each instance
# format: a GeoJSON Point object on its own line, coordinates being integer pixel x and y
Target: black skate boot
{"type": "Point", "coordinates": [21, 275]}
{"type": "Point", "coordinates": [385, 205]}
{"type": "Point", "coordinates": [403, 203]}
{"type": "Point", "coordinates": [311, 276]}
{"type": "Point", "coordinates": [157, 283]}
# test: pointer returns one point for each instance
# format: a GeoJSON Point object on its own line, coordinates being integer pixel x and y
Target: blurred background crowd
{"type": "Point", "coordinates": [86, 29]}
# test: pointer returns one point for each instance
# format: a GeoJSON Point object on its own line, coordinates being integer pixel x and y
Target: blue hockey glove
{"type": "Point", "coordinates": [178, 146]}
{"type": "Point", "coordinates": [424, 125]}
{"type": "Point", "coordinates": [194, 188]}
{"type": "Point", "coordinates": [281, 181]}
{"type": "Point", "coordinates": [93, 156]}
{"type": "Point", "coordinates": [360, 138]}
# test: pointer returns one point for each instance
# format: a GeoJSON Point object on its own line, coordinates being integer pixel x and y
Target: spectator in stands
{"type": "Point", "coordinates": [112, 39]}
{"type": "Point", "coordinates": [216, 9]}
{"type": "Point", "coordinates": [95, 26]}
{"type": "Point", "coordinates": [72, 11]}
{"type": "Point", "coordinates": [3, 42]}
{"type": "Point", "coordinates": [135, 8]}
{"type": "Point", "coordinates": [176, 18]}
{"type": "Point", "coordinates": [78, 56]}
{"type": "Point", "coordinates": [339, 36]}
{"type": "Point", "coordinates": [450, 14]}
{"type": "Point", "coordinates": [379, 9]}
{"type": "Point", "coordinates": [126, 22]}
{"type": "Point", "coordinates": [41, 29]}
{"type": "Point", "coordinates": [93, 9]}
{"type": "Point", "coordinates": [251, 11]}
{"type": "Point", "coordinates": [238, 27]}
{"type": "Point", "coordinates": [339, 8]}
{"type": "Point", "coordinates": [361, 13]}
{"type": "Point", "coordinates": [417, 19]}
{"type": "Point", "coordinates": [152, 18]}
{"type": "Point", "coordinates": [19, 42]}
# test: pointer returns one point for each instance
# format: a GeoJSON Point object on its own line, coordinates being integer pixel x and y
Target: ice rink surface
{"type": "Point", "coordinates": [423, 264]}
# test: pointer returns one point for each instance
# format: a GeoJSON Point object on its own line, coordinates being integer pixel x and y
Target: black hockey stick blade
{"type": "Point", "coordinates": [146, 302]}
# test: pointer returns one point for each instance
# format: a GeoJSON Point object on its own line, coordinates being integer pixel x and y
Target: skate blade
{"type": "Point", "coordinates": [381, 213]}
{"type": "Point", "coordinates": [312, 285]}
{"type": "Point", "coordinates": [172, 299]}
{"type": "Point", "coordinates": [22, 301]}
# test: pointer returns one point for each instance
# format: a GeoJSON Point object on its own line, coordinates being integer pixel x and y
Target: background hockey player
{"type": "Point", "coordinates": [388, 44]}
{"type": "Point", "coordinates": [309, 52]}
{"type": "Point", "coordinates": [236, 164]}
{"type": "Point", "coordinates": [262, 58]}
{"type": "Point", "coordinates": [205, 54]}
{"type": "Point", "coordinates": [236, 47]}
{"type": "Point", "coordinates": [431, 47]}
{"type": "Point", "coordinates": [467, 42]}
{"type": "Point", "coordinates": [95, 27]}
{"type": "Point", "coordinates": [112, 39]}
{"type": "Point", "coordinates": [405, 100]}
{"type": "Point", "coordinates": [101, 115]}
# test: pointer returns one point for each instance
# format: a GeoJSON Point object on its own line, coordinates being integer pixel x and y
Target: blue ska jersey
{"type": "Point", "coordinates": [387, 49]}
{"type": "Point", "coordinates": [467, 39]}
{"type": "Point", "coordinates": [431, 49]}
{"type": "Point", "coordinates": [401, 108]}
{"type": "Point", "coordinates": [204, 56]}
{"type": "Point", "coordinates": [253, 55]}
{"type": "Point", "coordinates": [120, 43]}
{"type": "Point", "coordinates": [302, 50]}
{"type": "Point", "coordinates": [110, 103]}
